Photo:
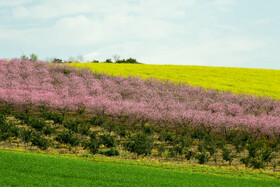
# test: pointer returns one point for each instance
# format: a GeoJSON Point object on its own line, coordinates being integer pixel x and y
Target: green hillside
{"type": "Point", "coordinates": [44, 170]}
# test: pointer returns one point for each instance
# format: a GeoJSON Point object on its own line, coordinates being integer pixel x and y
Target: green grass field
{"type": "Point", "coordinates": [29, 169]}
{"type": "Point", "coordinates": [259, 82]}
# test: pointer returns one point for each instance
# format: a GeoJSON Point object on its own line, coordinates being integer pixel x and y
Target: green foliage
{"type": "Point", "coordinates": [267, 155]}
{"type": "Point", "coordinates": [254, 148]}
{"type": "Point", "coordinates": [25, 135]}
{"type": "Point", "coordinates": [202, 157]}
{"type": "Point", "coordinates": [108, 125]}
{"type": "Point", "coordinates": [84, 128]}
{"type": "Point", "coordinates": [108, 140]}
{"type": "Point", "coordinates": [25, 118]}
{"type": "Point", "coordinates": [110, 152]}
{"type": "Point", "coordinates": [33, 57]}
{"type": "Point", "coordinates": [97, 120]}
{"type": "Point", "coordinates": [148, 129]}
{"type": "Point", "coordinates": [6, 110]}
{"type": "Point", "coordinates": [49, 130]}
{"type": "Point", "coordinates": [166, 136]}
{"type": "Point", "coordinates": [24, 57]}
{"type": "Point", "coordinates": [71, 125]}
{"type": "Point", "coordinates": [140, 143]}
{"type": "Point", "coordinates": [94, 143]}
{"type": "Point", "coordinates": [228, 155]}
{"type": "Point", "coordinates": [55, 116]}
{"type": "Point", "coordinates": [128, 61]}
{"type": "Point", "coordinates": [39, 141]}
{"type": "Point", "coordinates": [37, 123]}
{"type": "Point", "coordinates": [7, 130]}
{"type": "Point", "coordinates": [57, 60]}
{"type": "Point", "coordinates": [68, 137]}
{"type": "Point", "coordinates": [121, 131]}
{"type": "Point", "coordinates": [108, 60]}
{"type": "Point", "coordinates": [190, 154]}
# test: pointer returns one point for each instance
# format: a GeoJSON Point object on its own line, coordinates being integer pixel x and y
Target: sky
{"type": "Point", "coordinates": [228, 33]}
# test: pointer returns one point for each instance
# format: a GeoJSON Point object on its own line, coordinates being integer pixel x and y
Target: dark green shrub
{"type": "Point", "coordinates": [49, 130]}
{"type": "Point", "coordinates": [71, 125]}
{"type": "Point", "coordinates": [23, 117]}
{"type": "Point", "coordinates": [13, 129]}
{"type": "Point", "coordinates": [56, 117]}
{"type": "Point", "coordinates": [66, 71]}
{"type": "Point", "coordinates": [202, 157]}
{"type": "Point", "coordinates": [132, 61]}
{"type": "Point", "coordinates": [166, 136]}
{"type": "Point", "coordinates": [255, 148]}
{"type": "Point", "coordinates": [57, 60]}
{"type": "Point", "coordinates": [5, 136]}
{"type": "Point", "coordinates": [256, 163]}
{"type": "Point", "coordinates": [201, 146]}
{"type": "Point", "coordinates": [149, 129]}
{"type": "Point", "coordinates": [228, 155]}
{"type": "Point", "coordinates": [7, 130]}
{"type": "Point", "coordinates": [97, 120]}
{"type": "Point", "coordinates": [190, 154]}
{"type": "Point", "coordinates": [93, 144]}
{"type": "Point", "coordinates": [25, 135]}
{"type": "Point", "coordinates": [80, 110]}
{"type": "Point", "coordinates": [37, 123]}
{"type": "Point", "coordinates": [6, 110]}
{"type": "Point", "coordinates": [84, 128]}
{"type": "Point", "coordinates": [199, 133]}
{"type": "Point", "coordinates": [121, 131]}
{"type": "Point", "coordinates": [39, 141]}
{"type": "Point", "coordinates": [108, 125]}
{"type": "Point", "coordinates": [267, 155]}
{"type": "Point", "coordinates": [108, 140]}
{"type": "Point", "coordinates": [68, 137]}
{"type": "Point", "coordinates": [128, 61]}
{"type": "Point", "coordinates": [33, 57]}
{"type": "Point", "coordinates": [160, 149]}
{"type": "Point", "coordinates": [246, 161]}
{"type": "Point", "coordinates": [177, 150]}
{"type": "Point", "coordinates": [141, 144]}
{"type": "Point", "coordinates": [110, 152]}
{"type": "Point", "coordinates": [2, 120]}
{"type": "Point", "coordinates": [108, 60]}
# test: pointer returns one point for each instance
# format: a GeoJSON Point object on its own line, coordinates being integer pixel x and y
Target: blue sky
{"type": "Point", "coordinates": [234, 33]}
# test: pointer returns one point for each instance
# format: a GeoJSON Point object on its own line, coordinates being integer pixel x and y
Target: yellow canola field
{"type": "Point", "coordinates": [259, 82]}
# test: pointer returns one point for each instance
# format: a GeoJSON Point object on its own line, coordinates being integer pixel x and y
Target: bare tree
{"type": "Point", "coordinates": [116, 57]}
{"type": "Point", "coordinates": [80, 58]}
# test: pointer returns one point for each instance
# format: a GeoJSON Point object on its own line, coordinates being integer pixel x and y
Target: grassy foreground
{"type": "Point", "coordinates": [29, 169]}
{"type": "Point", "coordinates": [260, 82]}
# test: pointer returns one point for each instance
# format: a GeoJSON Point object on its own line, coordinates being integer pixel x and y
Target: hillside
{"type": "Point", "coordinates": [35, 169]}
{"type": "Point", "coordinates": [63, 109]}
{"type": "Point", "coordinates": [260, 82]}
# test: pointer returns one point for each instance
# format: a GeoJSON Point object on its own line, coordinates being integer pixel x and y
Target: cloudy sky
{"type": "Point", "coordinates": [236, 33]}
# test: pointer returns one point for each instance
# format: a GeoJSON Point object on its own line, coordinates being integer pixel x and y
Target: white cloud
{"type": "Point", "coordinates": [9, 3]}
{"type": "Point", "coordinates": [223, 5]}
{"type": "Point", "coordinates": [228, 27]}
{"type": "Point", "coordinates": [54, 9]}
{"type": "Point", "coordinates": [261, 22]}
{"type": "Point", "coordinates": [153, 31]}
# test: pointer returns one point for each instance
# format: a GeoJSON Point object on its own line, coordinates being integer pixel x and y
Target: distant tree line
{"type": "Point", "coordinates": [118, 61]}
{"type": "Point", "coordinates": [33, 57]}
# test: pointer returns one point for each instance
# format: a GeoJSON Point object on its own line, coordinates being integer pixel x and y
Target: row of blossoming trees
{"type": "Point", "coordinates": [28, 86]}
